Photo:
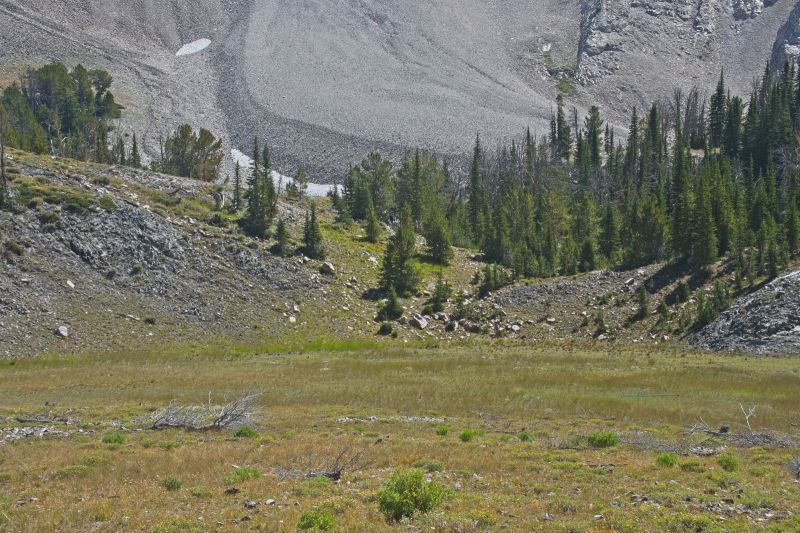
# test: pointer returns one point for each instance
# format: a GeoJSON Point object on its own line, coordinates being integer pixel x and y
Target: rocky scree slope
{"type": "Point", "coordinates": [765, 322]}
{"type": "Point", "coordinates": [328, 81]}
{"type": "Point", "coordinates": [88, 265]}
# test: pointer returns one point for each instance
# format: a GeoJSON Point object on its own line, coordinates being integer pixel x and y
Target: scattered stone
{"type": "Point", "coordinates": [62, 331]}
{"type": "Point", "coordinates": [327, 269]}
{"type": "Point", "coordinates": [419, 322]}
{"type": "Point", "coordinates": [250, 504]}
{"type": "Point", "coordinates": [70, 284]}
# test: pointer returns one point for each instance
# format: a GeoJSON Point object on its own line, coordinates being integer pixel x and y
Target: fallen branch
{"type": "Point", "coordinates": [204, 418]}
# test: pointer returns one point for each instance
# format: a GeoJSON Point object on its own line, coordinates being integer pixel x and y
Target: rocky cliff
{"type": "Point", "coordinates": [329, 80]}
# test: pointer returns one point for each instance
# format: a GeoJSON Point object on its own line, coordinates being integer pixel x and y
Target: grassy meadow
{"type": "Point", "coordinates": [520, 438]}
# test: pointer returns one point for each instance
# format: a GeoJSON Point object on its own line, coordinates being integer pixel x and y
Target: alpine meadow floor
{"type": "Point", "coordinates": [506, 428]}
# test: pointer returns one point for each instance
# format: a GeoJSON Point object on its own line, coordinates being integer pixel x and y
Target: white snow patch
{"type": "Point", "coordinates": [192, 48]}
{"type": "Point", "coordinates": [313, 189]}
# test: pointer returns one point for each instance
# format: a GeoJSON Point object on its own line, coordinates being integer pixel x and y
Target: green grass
{"type": "Point", "coordinates": [603, 439]}
{"type": "Point", "coordinates": [242, 474]}
{"type": "Point", "coordinates": [493, 389]}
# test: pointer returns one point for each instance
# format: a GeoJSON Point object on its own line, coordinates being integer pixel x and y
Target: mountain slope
{"type": "Point", "coordinates": [326, 81]}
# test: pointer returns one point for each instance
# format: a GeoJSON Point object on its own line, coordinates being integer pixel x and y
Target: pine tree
{"type": "Point", "coordinates": [717, 114]}
{"type": "Point", "coordinates": [399, 272]}
{"type": "Point", "coordinates": [609, 233]}
{"type": "Point", "coordinates": [792, 228]}
{"type": "Point", "coordinates": [135, 160]}
{"type": "Point", "coordinates": [477, 194]}
{"type": "Point", "coordinates": [281, 247]}
{"type": "Point", "coordinates": [237, 188]}
{"type": "Point", "coordinates": [437, 235]}
{"type": "Point", "coordinates": [312, 235]}
{"type": "Point", "coordinates": [704, 246]}
{"type": "Point", "coordinates": [255, 221]}
{"type": "Point", "coordinates": [373, 228]}
{"type": "Point", "coordinates": [3, 176]}
{"type": "Point", "coordinates": [301, 183]}
{"type": "Point", "coordinates": [563, 130]}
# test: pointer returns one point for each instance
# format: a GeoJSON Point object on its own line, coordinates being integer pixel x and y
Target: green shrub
{"type": "Point", "coordinates": [73, 471]}
{"type": "Point", "coordinates": [406, 493]}
{"type": "Point", "coordinates": [201, 491]}
{"type": "Point", "coordinates": [107, 203]}
{"type": "Point", "coordinates": [114, 438]}
{"type": "Point", "coordinates": [692, 466]}
{"type": "Point", "coordinates": [603, 439]}
{"type": "Point", "coordinates": [429, 465]}
{"type": "Point", "coordinates": [246, 433]}
{"type": "Point", "coordinates": [385, 329]}
{"type": "Point", "coordinates": [49, 217]}
{"type": "Point", "coordinates": [172, 484]}
{"type": "Point", "coordinates": [468, 434]}
{"type": "Point", "coordinates": [442, 431]}
{"type": "Point", "coordinates": [14, 247]}
{"type": "Point", "coordinates": [729, 463]}
{"type": "Point", "coordinates": [525, 436]}
{"type": "Point", "coordinates": [667, 459]}
{"type": "Point", "coordinates": [243, 474]}
{"type": "Point", "coordinates": [317, 520]}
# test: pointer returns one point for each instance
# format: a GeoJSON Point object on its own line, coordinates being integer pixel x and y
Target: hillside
{"type": "Point", "coordinates": [305, 75]}
{"type": "Point", "coordinates": [105, 258]}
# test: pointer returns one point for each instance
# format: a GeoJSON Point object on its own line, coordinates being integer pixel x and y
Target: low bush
{"type": "Point", "coordinates": [406, 493]}
{"type": "Point", "coordinates": [246, 433]}
{"type": "Point", "coordinates": [317, 520]}
{"type": "Point", "coordinates": [469, 434]}
{"type": "Point", "coordinates": [442, 431]}
{"type": "Point", "coordinates": [429, 465]}
{"type": "Point", "coordinates": [525, 436]}
{"type": "Point", "coordinates": [603, 439]}
{"type": "Point", "coordinates": [114, 438]}
{"type": "Point", "coordinates": [729, 463]}
{"type": "Point", "coordinates": [172, 484]}
{"type": "Point", "coordinates": [243, 474]}
{"type": "Point", "coordinates": [667, 460]}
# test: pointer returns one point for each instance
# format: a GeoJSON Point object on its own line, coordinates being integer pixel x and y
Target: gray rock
{"type": "Point", "coordinates": [419, 322]}
{"type": "Point", "coordinates": [765, 322]}
{"type": "Point", "coordinates": [62, 331]}
{"type": "Point", "coordinates": [328, 269]}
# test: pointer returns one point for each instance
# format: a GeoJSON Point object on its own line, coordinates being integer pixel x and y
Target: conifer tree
{"type": "Point", "coordinates": [255, 220]}
{"type": "Point", "coordinates": [399, 272]}
{"type": "Point", "coordinates": [609, 233]}
{"type": "Point", "coordinates": [704, 247]}
{"type": "Point", "coordinates": [717, 114]}
{"type": "Point", "coordinates": [281, 239]}
{"type": "Point", "coordinates": [477, 194]}
{"type": "Point", "coordinates": [312, 235]}
{"type": "Point", "coordinates": [373, 228]}
{"type": "Point", "coordinates": [437, 235]}
{"type": "Point", "coordinates": [135, 160]}
{"type": "Point", "coordinates": [3, 176]}
{"type": "Point", "coordinates": [237, 188]}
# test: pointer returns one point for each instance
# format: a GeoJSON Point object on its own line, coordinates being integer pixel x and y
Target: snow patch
{"type": "Point", "coordinates": [192, 48]}
{"type": "Point", "coordinates": [313, 189]}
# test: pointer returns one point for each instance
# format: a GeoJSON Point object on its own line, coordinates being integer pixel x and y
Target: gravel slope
{"type": "Point", "coordinates": [328, 80]}
{"type": "Point", "coordinates": [767, 322]}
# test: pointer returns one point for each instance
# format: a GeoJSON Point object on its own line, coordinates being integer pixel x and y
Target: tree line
{"type": "Point", "coordinates": [695, 180]}
{"type": "Point", "coordinates": [71, 113]}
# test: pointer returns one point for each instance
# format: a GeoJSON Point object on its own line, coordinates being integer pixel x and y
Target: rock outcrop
{"type": "Point", "coordinates": [766, 322]}
{"type": "Point", "coordinates": [327, 85]}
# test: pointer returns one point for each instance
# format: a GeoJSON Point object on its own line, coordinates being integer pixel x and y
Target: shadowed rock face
{"type": "Point", "coordinates": [327, 80]}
